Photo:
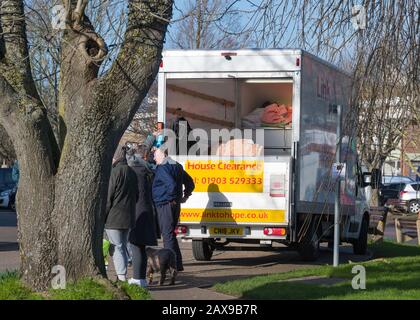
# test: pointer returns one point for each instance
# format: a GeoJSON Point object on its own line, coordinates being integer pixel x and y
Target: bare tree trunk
{"type": "Point", "coordinates": [35, 198]}
{"type": "Point", "coordinates": [374, 194]}
{"type": "Point", "coordinates": [6, 146]}
{"type": "Point", "coordinates": [374, 198]}
{"type": "Point", "coordinates": [79, 207]}
{"type": "Point", "coordinates": [62, 192]}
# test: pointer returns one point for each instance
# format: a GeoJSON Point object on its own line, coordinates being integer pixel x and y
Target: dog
{"type": "Point", "coordinates": [161, 260]}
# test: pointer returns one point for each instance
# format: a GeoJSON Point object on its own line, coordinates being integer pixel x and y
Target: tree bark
{"type": "Point", "coordinates": [62, 191]}
{"type": "Point", "coordinates": [26, 123]}
{"type": "Point", "coordinates": [6, 146]}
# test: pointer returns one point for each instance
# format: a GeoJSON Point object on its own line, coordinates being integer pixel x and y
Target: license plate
{"type": "Point", "coordinates": [226, 231]}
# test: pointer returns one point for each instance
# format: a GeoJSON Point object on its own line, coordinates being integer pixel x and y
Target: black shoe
{"type": "Point", "coordinates": [180, 269]}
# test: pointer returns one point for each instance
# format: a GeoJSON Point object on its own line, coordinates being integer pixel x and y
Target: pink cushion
{"type": "Point", "coordinates": [275, 113]}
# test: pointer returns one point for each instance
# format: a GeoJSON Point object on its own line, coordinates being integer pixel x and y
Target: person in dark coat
{"type": "Point", "coordinates": [121, 209]}
{"type": "Point", "coordinates": [182, 129]}
{"type": "Point", "coordinates": [168, 194]}
{"type": "Point", "coordinates": [144, 232]}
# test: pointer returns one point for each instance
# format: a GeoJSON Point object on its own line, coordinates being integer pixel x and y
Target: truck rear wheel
{"type": "Point", "coordinates": [309, 246]}
{"type": "Point", "coordinates": [360, 245]}
{"type": "Point", "coordinates": [202, 250]}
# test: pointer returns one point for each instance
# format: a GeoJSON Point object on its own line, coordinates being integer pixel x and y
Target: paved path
{"type": "Point", "coordinates": [197, 279]}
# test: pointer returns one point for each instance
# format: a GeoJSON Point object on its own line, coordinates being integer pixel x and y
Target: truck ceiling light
{"type": "Point", "coordinates": [285, 80]}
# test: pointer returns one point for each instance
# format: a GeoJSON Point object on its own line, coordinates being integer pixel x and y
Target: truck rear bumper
{"type": "Point", "coordinates": [244, 232]}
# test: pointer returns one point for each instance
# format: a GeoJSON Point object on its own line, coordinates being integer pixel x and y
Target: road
{"type": "Point", "coordinates": [9, 255]}
{"type": "Point", "coordinates": [230, 265]}
{"type": "Point", "coordinates": [198, 276]}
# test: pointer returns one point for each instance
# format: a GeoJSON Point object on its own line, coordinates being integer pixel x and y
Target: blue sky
{"type": "Point", "coordinates": [286, 38]}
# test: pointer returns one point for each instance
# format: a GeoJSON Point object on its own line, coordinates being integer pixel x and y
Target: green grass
{"type": "Point", "coordinates": [11, 288]}
{"type": "Point", "coordinates": [135, 292]}
{"type": "Point", "coordinates": [85, 289]}
{"type": "Point", "coordinates": [393, 274]}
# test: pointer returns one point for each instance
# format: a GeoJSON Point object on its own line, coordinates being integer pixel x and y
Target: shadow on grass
{"type": "Point", "coordinates": [389, 279]}
{"type": "Point", "coordinates": [389, 249]}
{"type": "Point", "coordinates": [394, 274]}
{"type": "Point", "coordinates": [396, 289]}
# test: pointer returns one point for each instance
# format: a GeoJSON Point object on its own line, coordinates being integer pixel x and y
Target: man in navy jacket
{"type": "Point", "coordinates": [168, 194]}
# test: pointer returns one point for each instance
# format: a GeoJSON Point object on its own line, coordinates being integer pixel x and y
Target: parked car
{"type": "Point", "coordinates": [7, 189]}
{"type": "Point", "coordinates": [408, 198]}
{"type": "Point", "coordinates": [396, 179]}
{"type": "Point", "coordinates": [8, 199]}
{"type": "Point", "coordinates": [391, 186]}
{"type": "Point", "coordinates": [389, 192]}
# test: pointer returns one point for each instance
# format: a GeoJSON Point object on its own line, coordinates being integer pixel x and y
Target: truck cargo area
{"type": "Point", "coordinates": [233, 103]}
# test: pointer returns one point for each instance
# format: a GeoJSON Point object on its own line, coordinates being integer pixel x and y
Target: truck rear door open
{"type": "Point", "coordinates": [237, 197]}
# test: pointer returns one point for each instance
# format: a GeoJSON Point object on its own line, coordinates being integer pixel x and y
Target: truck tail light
{"type": "Point", "coordinates": [277, 185]}
{"type": "Point", "coordinates": [161, 64]}
{"type": "Point", "coordinates": [275, 231]}
{"type": "Point", "coordinates": [181, 230]}
{"type": "Point", "coordinates": [297, 62]}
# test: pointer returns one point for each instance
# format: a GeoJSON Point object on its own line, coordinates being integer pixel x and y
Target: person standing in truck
{"type": "Point", "coordinates": [182, 129]}
{"type": "Point", "coordinates": [168, 194]}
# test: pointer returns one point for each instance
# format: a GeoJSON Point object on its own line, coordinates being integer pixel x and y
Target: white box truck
{"type": "Point", "coordinates": [287, 194]}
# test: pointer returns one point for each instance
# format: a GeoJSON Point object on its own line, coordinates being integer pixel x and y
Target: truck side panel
{"type": "Point", "coordinates": [323, 87]}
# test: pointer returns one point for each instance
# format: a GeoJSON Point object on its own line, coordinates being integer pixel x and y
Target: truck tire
{"type": "Point", "coordinates": [202, 251]}
{"type": "Point", "coordinates": [360, 245]}
{"type": "Point", "coordinates": [308, 248]}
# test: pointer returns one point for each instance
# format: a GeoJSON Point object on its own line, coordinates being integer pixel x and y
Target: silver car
{"type": "Point", "coordinates": [396, 179]}
{"type": "Point", "coordinates": [408, 198]}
